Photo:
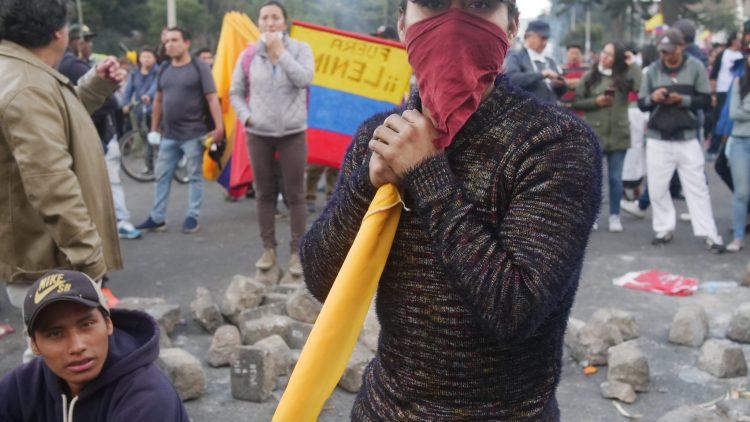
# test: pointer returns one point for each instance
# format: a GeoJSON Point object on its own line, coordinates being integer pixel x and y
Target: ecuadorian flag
{"type": "Point", "coordinates": [356, 76]}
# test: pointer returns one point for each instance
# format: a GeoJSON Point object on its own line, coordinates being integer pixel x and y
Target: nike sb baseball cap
{"type": "Point", "coordinates": [59, 286]}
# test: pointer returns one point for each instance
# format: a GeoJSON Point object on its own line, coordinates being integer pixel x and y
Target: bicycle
{"type": "Point", "coordinates": [137, 155]}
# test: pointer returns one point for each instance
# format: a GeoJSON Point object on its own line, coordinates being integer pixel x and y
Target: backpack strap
{"type": "Point", "coordinates": [247, 59]}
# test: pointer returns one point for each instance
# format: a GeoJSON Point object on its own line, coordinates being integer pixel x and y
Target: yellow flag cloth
{"type": "Point", "coordinates": [656, 20]}
{"type": "Point", "coordinates": [337, 328]}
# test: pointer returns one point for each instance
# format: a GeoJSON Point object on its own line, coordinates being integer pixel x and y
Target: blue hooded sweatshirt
{"type": "Point", "coordinates": [130, 387]}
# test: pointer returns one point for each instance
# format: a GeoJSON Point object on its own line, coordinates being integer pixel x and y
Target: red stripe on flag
{"type": "Point", "coordinates": [325, 147]}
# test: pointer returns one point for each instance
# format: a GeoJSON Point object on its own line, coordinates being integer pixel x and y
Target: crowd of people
{"type": "Point", "coordinates": [660, 113]}
{"type": "Point", "coordinates": [503, 186]}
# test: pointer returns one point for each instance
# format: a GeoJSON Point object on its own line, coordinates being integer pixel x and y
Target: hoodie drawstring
{"type": "Point", "coordinates": [68, 413]}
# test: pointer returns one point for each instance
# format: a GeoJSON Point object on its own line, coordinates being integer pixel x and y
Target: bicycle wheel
{"type": "Point", "coordinates": [181, 173]}
{"type": "Point", "coordinates": [133, 153]}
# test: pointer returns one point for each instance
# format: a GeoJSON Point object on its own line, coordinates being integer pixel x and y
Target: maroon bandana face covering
{"type": "Point", "coordinates": [456, 56]}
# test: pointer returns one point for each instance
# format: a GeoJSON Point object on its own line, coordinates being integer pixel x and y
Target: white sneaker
{"type": "Point", "coordinates": [632, 208]}
{"type": "Point", "coordinates": [615, 226]}
{"type": "Point", "coordinates": [595, 227]}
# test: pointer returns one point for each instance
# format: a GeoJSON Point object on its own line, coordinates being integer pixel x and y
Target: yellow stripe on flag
{"type": "Point", "coordinates": [337, 328]}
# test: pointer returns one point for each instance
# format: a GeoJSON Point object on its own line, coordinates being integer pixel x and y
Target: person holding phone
{"type": "Point", "coordinates": [603, 96]}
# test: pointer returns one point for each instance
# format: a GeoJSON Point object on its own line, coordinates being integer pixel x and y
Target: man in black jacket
{"type": "Point", "coordinates": [94, 364]}
{"type": "Point", "coordinates": [673, 90]}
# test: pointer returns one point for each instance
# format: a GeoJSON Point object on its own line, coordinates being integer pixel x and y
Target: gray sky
{"type": "Point", "coordinates": [532, 8]}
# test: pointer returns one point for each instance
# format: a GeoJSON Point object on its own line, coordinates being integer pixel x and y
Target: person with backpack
{"type": "Point", "coordinates": [186, 98]}
{"type": "Point", "coordinates": [269, 93]}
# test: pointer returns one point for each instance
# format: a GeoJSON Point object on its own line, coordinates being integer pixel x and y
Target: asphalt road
{"type": "Point", "coordinates": [171, 265]}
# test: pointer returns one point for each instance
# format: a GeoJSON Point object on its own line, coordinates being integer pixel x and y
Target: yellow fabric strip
{"type": "Point", "coordinates": [337, 328]}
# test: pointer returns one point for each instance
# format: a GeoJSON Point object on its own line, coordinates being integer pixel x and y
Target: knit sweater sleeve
{"type": "Point", "coordinates": [514, 277]}
{"type": "Point", "coordinates": [324, 247]}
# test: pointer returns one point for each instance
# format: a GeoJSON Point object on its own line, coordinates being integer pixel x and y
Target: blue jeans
{"type": "Point", "coordinates": [170, 154]}
{"type": "Point", "coordinates": [739, 164]}
{"type": "Point", "coordinates": [113, 169]}
{"type": "Point", "coordinates": [615, 161]}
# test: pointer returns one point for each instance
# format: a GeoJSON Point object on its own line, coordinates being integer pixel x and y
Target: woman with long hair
{"type": "Point", "coordinates": [603, 95]}
{"type": "Point", "coordinates": [739, 155]}
{"type": "Point", "coordinates": [269, 95]}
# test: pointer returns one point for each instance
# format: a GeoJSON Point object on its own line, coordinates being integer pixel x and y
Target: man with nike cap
{"type": "Point", "coordinates": [94, 364]}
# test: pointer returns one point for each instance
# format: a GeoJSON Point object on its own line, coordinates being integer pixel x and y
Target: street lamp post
{"type": "Point", "coordinates": [171, 13]}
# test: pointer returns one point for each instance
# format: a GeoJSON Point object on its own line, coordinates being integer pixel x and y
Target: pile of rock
{"type": "Point", "coordinates": [270, 318]}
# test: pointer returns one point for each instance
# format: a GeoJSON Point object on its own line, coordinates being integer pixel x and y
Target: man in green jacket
{"type": "Point", "coordinates": [55, 201]}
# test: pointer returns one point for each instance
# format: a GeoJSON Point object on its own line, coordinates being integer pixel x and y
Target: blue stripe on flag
{"type": "Point", "coordinates": [342, 112]}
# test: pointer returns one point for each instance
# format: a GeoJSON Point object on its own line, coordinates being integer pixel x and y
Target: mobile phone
{"type": "Point", "coordinates": [609, 92]}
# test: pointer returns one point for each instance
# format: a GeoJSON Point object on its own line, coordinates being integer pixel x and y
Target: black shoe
{"type": "Point", "coordinates": [662, 238]}
{"type": "Point", "coordinates": [714, 248]}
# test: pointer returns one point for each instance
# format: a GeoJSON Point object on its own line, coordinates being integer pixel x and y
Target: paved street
{"type": "Point", "coordinates": [171, 265]}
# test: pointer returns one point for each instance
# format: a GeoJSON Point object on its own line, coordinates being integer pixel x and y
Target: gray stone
{"type": "Point", "coordinates": [351, 380]}
{"type": "Point", "coordinates": [294, 354]}
{"type": "Point", "coordinates": [225, 346]}
{"type": "Point", "coordinates": [253, 376]}
{"type": "Point", "coordinates": [297, 334]}
{"type": "Point", "coordinates": [723, 359]}
{"type": "Point", "coordinates": [689, 326]}
{"type": "Point", "coordinates": [302, 306]}
{"type": "Point", "coordinates": [618, 390]}
{"type": "Point", "coordinates": [255, 330]}
{"type": "Point", "coordinates": [691, 414]}
{"type": "Point", "coordinates": [628, 364]}
{"type": "Point", "coordinates": [275, 309]}
{"type": "Point", "coordinates": [280, 353]}
{"type": "Point", "coordinates": [290, 278]}
{"type": "Point", "coordinates": [243, 293]}
{"type": "Point", "coordinates": [624, 321]}
{"type": "Point", "coordinates": [735, 410]}
{"type": "Point", "coordinates": [166, 314]}
{"type": "Point", "coordinates": [205, 312]}
{"type": "Point", "coordinates": [164, 341]}
{"type": "Point", "coordinates": [271, 298]}
{"type": "Point", "coordinates": [185, 372]}
{"type": "Point", "coordinates": [370, 330]}
{"type": "Point", "coordinates": [269, 277]}
{"type": "Point", "coordinates": [286, 289]}
{"type": "Point", "coordinates": [590, 343]}
{"type": "Point", "coordinates": [739, 325]}
{"type": "Point", "coordinates": [282, 382]}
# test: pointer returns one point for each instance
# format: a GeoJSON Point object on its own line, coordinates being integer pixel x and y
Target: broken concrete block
{"type": "Point", "coordinates": [739, 325]}
{"type": "Point", "coordinates": [295, 354]}
{"type": "Point", "coordinates": [269, 277]}
{"type": "Point", "coordinates": [722, 359]}
{"type": "Point", "coordinates": [287, 289]}
{"type": "Point", "coordinates": [351, 380]}
{"type": "Point", "coordinates": [302, 306]}
{"type": "Point", "coordinates": [590, 343]}
{"type": "Point", "coordinates": [225, 346]}
{"type": "Point", "coordinates": [280, 353]}
{"type": "Point", "coordinates": [166, 314]}
{"type": "Point", "coordinates": [689, 326]}
{"type": "Point", "coordinates": [205, 312]}
{"type": "Point", "coordinates": [618, 390]}
{"type": "Point", "coordinates": [255, 330]}
{"type": "Point", "coordinates": [628, 364]}
{"type": "Point", "coordinates": [370, 330]}
{"type": "Point", "coordinates": [253, 376]}
{"type": "Point", "coordinates": [185, 372]}
{"type": "Point", "coordinates": [274, 309]}
{"type": "Point", "coordinates": [734, 410]}
{"type": "Point", "coordinates": [243, 293]}
{"type": "Point", "coordinates": [271, 298]}
{"type": "Point", "coordinates": [297, 334]}
{"type": "Point", "coordinates": [164, 341]}
{"type": "Point", "coordinates": [624, 321]}
{"type": "Point", "coordinates": [691, 414]}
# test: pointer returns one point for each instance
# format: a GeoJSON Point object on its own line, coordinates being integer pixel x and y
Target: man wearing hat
{"type": "Point", "coordinates": [673, 90]}
{"type": "Point", "coordinates": [530, 69]}
{"type": "Point", "coordinates": [93, 364]}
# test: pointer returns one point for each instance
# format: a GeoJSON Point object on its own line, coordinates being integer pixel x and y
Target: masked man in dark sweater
{"type": "Point", "coordinates": [501, 192]}
{"type": "Point", "coordinates": [94, 364]}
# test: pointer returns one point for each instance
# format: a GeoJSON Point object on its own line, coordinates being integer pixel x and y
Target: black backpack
{"type": "Point", "coordinates": [207, 118]}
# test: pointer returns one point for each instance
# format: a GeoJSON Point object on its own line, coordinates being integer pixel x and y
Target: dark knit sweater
{"type": "Point", "coordinates": [475, 297]}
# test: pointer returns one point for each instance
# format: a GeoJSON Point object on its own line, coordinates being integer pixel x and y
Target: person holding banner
{"type": "Point", "coordinates": [270, 97]}
{"type": "Point", "coordinates": [501, 191]}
